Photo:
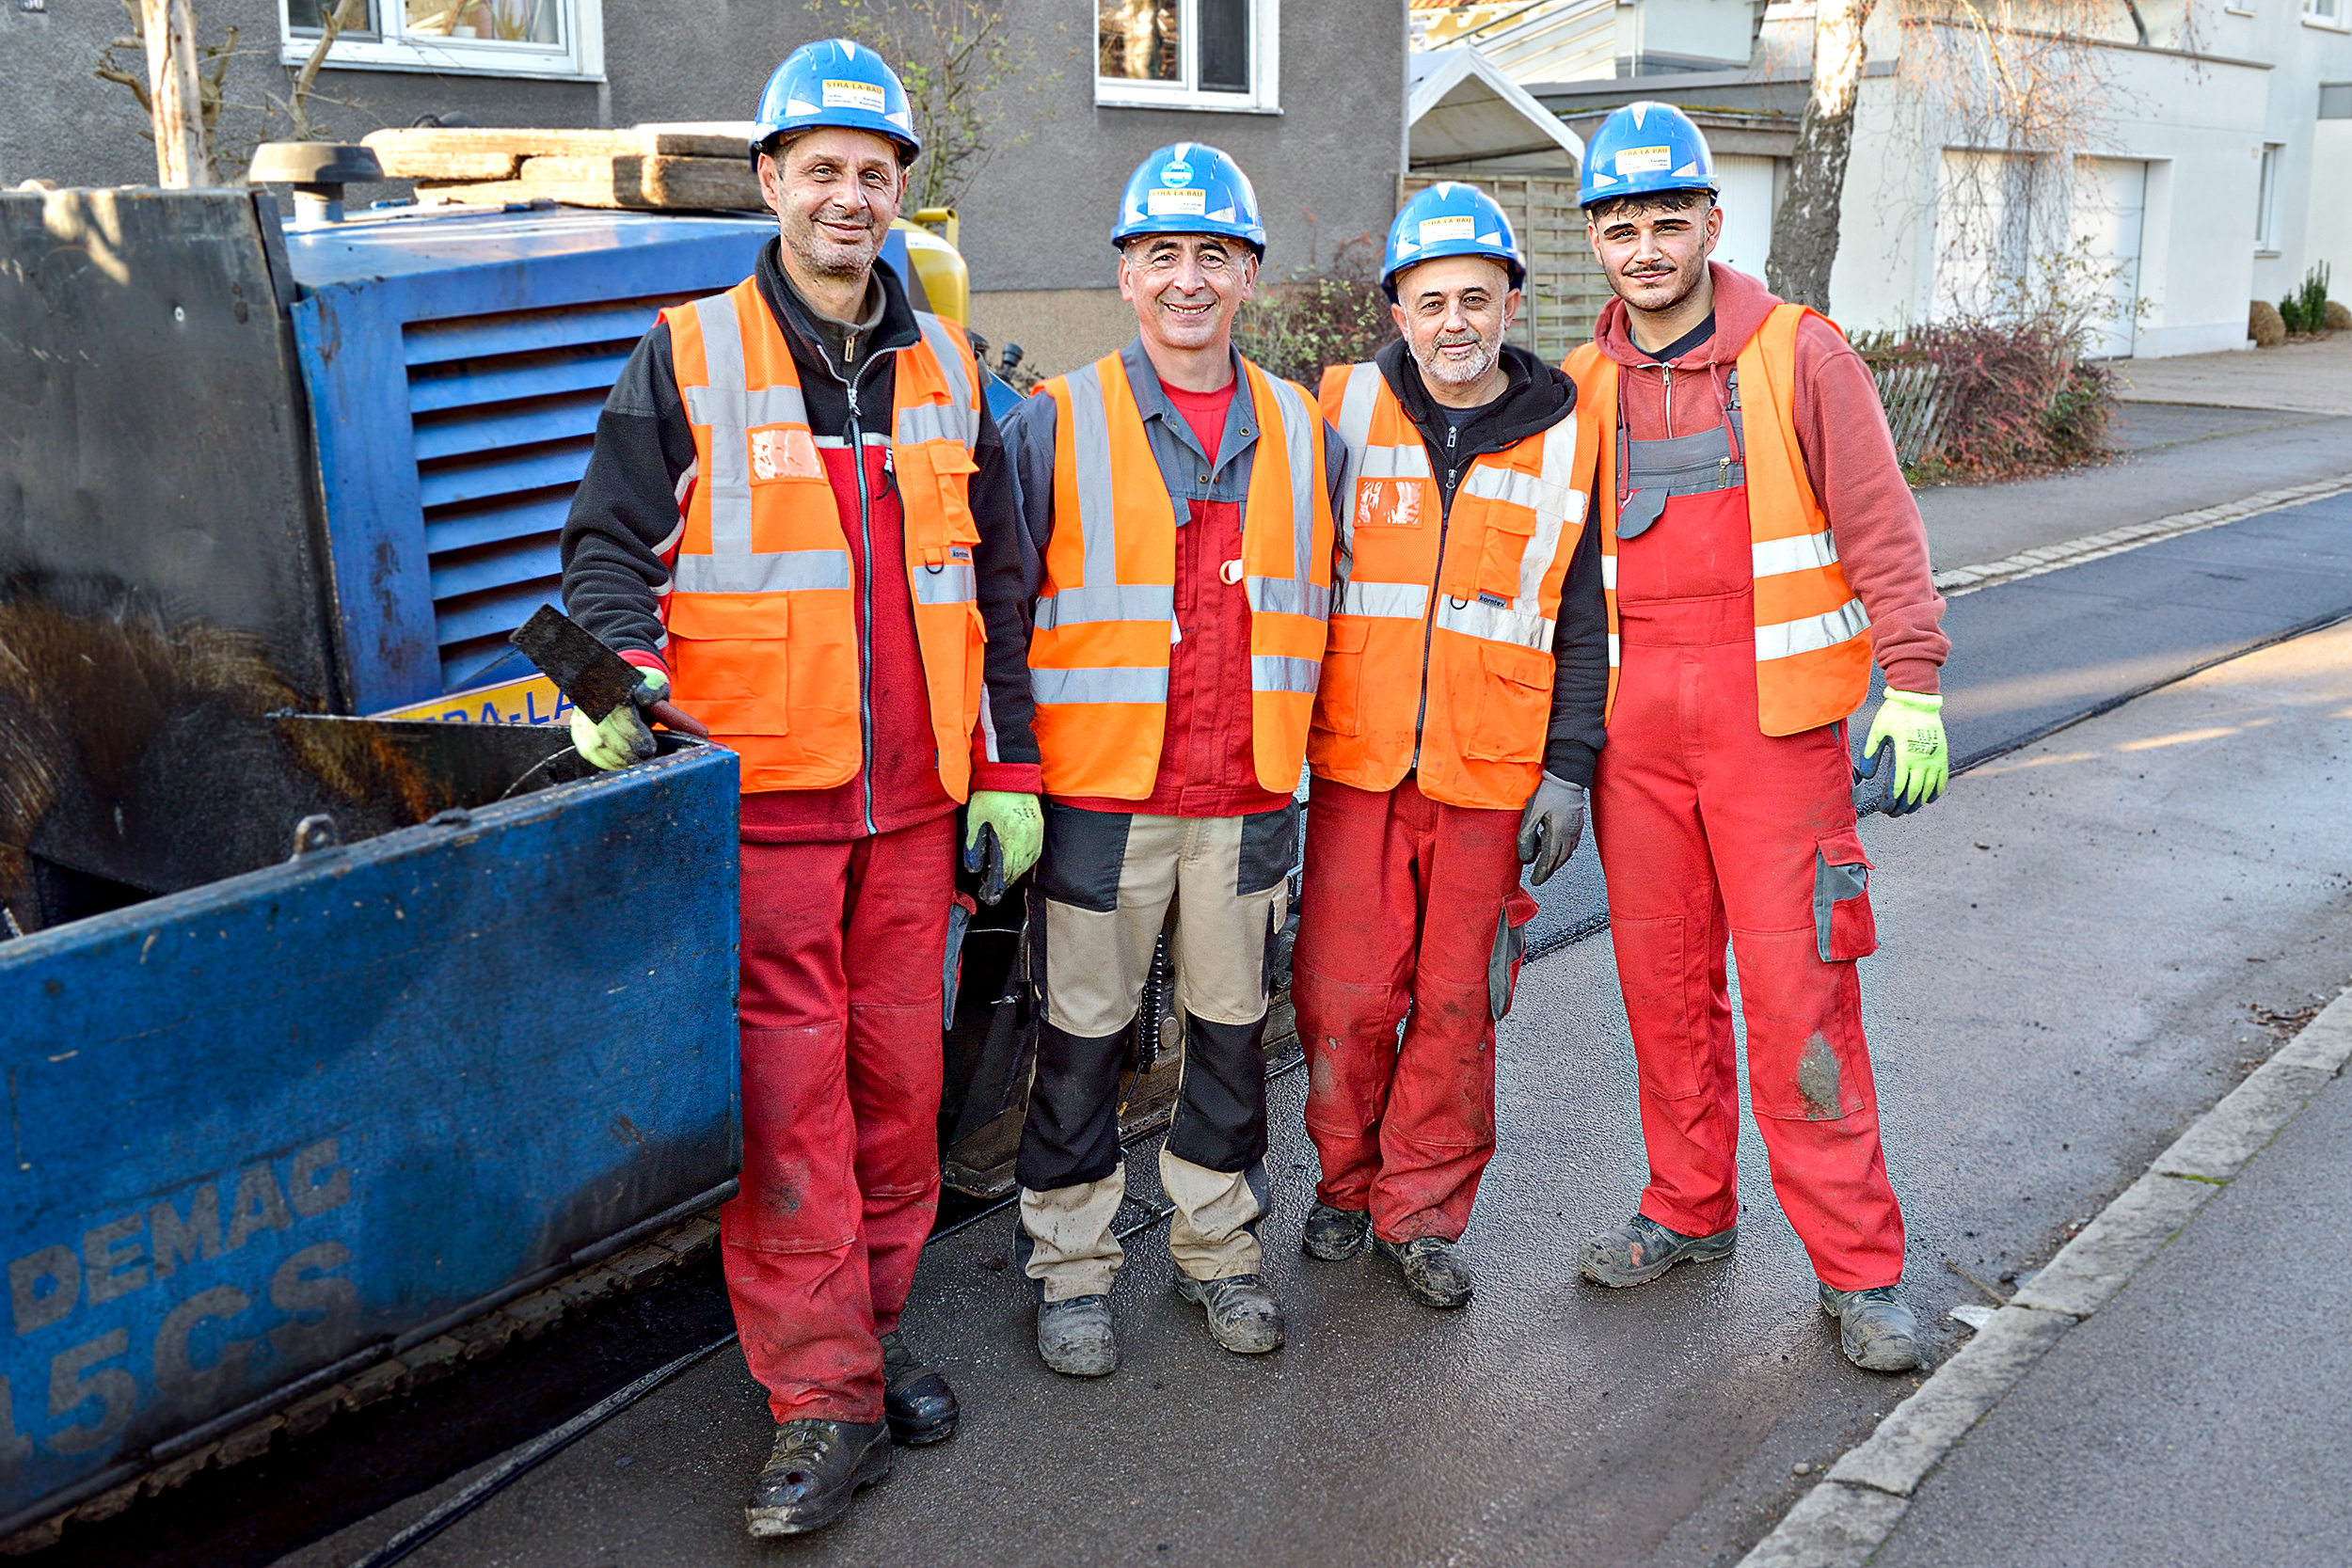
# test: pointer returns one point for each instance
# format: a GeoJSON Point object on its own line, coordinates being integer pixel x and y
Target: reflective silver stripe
{"type": "Point", "coordinates": [989, 749]}
{"type": "Point", "coordinates": [1511, 486]}
{"type": "Point", "coordinates": [1609, 572]}
{"type": "Point", "coordinates": [741, 411]}
{"type": "Point", "coordinates": [1774, 556]}
{"type": "Point", "coordinates": [1287, 596]}
{"type": "Point", "coordinates": [951, 583]}
{"type": "Point", "coordinates": [1275, 672]}
{"type": "Point", "coordinates": [1391, 601]}
{"type": "Point", "coordinates": [1106, 684]}
{"type": "Point", "coordinates": [1567, 505]}
{"type": "Point", "coordinates": [1076, 607]}
{"type": "Point", "coordinates": [1299, 423]}
{"type": "Point", "coordinates": [1397, 463]}
{"type": "Point", "coordinates": [1613, 659]}
{"type": "Point", "coordinates": [1495, 623]}
{"type": "Point", "coordinates": [774, 572]}
{"type": "Point", "coordinates": [1811, 634]}
{"type": "Point", "coordinates": [1090, 458]}
{"type": "Point", "coordinates": [932, 421]}
{"type": "Point", "coordinates": [965, 403]}
{"type": "Point", "coordinates": [731, 412]}
{"type": "Point", "coordinates": [1356, 401]}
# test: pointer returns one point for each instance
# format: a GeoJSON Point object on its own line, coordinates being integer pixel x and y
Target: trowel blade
{"type": "Point", "coordinates": [596, 679]}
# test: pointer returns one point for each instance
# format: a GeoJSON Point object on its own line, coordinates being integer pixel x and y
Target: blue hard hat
{"type": "Point", "coordinates": [835, 82]}
{"type": "Point", "coordinates": [1450, 218]}
{"type": "Point", "coordinates": [1644, 149]}
{"type": "Point", "coordinates": [1189, 188]}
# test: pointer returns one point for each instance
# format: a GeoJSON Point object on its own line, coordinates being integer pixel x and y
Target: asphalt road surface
{"type": "Point", "coordinates": [2069, 949]}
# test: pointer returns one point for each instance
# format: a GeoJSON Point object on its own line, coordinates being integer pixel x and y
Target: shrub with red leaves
{"type": "Point", "coordinates": [2016, 396]}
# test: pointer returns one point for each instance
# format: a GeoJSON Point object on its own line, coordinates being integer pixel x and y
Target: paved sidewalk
{"type": "Point", "coordinates": [2198, 1418]}
{"type": "Point", "coordinates": [2313, 378]}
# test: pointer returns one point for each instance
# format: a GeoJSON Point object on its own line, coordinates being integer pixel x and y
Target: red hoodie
{"type": "Point", "coordinates": [1848, 458]}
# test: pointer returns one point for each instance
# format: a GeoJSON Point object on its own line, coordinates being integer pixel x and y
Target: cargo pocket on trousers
{"type": "Point", "coordinates": [1503, 964]}
{"type": "Point", "coordinates": [1843, 928]}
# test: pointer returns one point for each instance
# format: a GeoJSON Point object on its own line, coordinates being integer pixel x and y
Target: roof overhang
{"type": "Point", "coordinates": [1462, 109]}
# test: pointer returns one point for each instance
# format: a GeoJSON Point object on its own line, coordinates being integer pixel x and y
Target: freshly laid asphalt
{"type": "Point", "coordinates": [2071, 945]}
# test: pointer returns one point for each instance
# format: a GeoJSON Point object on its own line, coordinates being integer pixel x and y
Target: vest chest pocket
{"type": "Point", "coordinates": [1508, 529]}
{"type": "Point", "coordinates": [1340, 693]}
{"type": "Point", "coordinates": [729, 661]}
{"type": "Point", "coordinates": [1513, 711]}
{"type": "Point", "coordinates": [936, 480]}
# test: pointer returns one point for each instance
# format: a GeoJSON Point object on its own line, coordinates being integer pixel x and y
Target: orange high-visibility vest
{"type": "Point", "coordinates": [1812, 635]}
{"type": "Point", "coordinates": [1485, 613]}
{"type": "Point", "coordinates": [1105, 621]}
{"type": "Point", "coordinates": [762, 629]}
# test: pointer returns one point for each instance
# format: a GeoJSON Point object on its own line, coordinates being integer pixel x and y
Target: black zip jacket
{"type": "Point", "coordinates": [625, 514]}
{"type": "Point", "coordinates": [1538, 396]}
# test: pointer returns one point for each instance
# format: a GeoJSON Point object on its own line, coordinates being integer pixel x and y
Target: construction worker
{"type": "Point", "coordinates": [1454, 735]}
{"type": "Point", "coordinates": [1182, 498]}
{"type": "Point", "coordinates": [799, 522]}
{"type": "Point", "coordinates": [1760, 549]}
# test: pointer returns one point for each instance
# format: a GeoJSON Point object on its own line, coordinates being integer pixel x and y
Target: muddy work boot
{"type": "Point", "coordinates": [1244, 1317]}
{"type": "Point", "coordinates": [1874, 1328]}
{"type": "Point", "coordinates": [1334, 1235]}
{"type": "Point", "coordinates": [1074, 1337]}
{"type": "Point", "coordinates": [1641, 1249]}
{"type": "Point", "coordinates": [1433, 1276]}
{"type": "Point", "coordinates": [817, 1470]}
{"type": "Point", "coordinates": [916, 1401]}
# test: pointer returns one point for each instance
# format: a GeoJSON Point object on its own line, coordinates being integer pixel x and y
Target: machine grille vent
{"type": "Point", "coordinates": [505, 408]}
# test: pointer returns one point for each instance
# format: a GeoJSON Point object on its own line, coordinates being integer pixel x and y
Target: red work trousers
{"type": "Point", "coordinates": [1710, 829]}
{"type": "Point", "coordinates": [1401, 903]}
{"type": "Point", "coordinates": [843, 945]}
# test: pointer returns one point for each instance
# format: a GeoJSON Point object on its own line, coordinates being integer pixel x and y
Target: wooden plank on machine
{"type": "Point", "coordinates": [627, 181]}
{"type": "Point", "coordinates": [480, 153]}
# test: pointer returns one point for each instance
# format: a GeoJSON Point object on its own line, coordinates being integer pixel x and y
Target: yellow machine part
{"type": "Point", "coordinates": [931, 247]}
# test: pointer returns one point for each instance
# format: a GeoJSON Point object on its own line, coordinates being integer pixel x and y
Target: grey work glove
{"type": "Point", "coordinates": [1551, 826]}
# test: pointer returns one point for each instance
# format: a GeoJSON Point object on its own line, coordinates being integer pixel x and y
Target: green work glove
{"type": "Point", "coordinates": [620, 737]}
{"type": "Point", "coordinates": [1010, 825]}
{"type": "Point", "coordinates": [1910, 723]}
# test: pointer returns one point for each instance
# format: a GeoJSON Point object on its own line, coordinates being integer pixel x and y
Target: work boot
{"type": "Point", "coordinates": [916, 1401]}
{"type": "Point", "coordinates": [1244, 1317]}
{"type": "Point", "coordinates": [1334, 1235]}
{"type": "Point", "coordinates": [1641, 1249]}
{"type": "Point", "coordinates": [1076, 1337]}
{"type": "Point", "coordinates": [1433, 1276]}
{"type": "Point", "coordinates": [815, 1472]}
{"type": "Point", "coordinates": [1874, 1328]}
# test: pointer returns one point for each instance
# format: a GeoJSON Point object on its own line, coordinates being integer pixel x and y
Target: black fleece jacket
{"type": "Point", "coordinates": [625, 514]}
{"type": "Point", "coordinates": [1537, 397]}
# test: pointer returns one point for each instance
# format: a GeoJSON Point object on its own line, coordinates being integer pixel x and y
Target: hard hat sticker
{"type": "Point", "coordinates": [1455, 225]}
{"type": "Point", "coordinates": [1177, 173]}
{"type": "Point", "coordinates": [1175, 204]}
{"type": "Point", "coordinates": [1644, 160]}
{"type": "Point", "coordinates": [854, 95]}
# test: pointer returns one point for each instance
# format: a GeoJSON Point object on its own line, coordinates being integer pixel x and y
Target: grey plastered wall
{"type": "Point", "coordinates": [1036, 223]}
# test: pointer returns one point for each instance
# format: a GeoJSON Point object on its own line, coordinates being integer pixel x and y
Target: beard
{"type": "Point", "coordinates": [1465, 372]}
{"type": "Point", "coordinates": [823, 254]}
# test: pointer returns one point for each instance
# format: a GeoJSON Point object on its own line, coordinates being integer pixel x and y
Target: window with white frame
{"type": "Point", "coordinates": [1187, 54]}
{"type": "Point", "coordinates": [497, 37]}
{"type": "Point", "coordinates": [2267, 200]}
{"type": "Point", "coordinates": [2327, 13]}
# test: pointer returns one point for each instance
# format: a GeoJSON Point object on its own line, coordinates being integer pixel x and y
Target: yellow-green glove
{"type": "Point", "coordinates": [620, 737]}
{"type": "Point", "coordinates": [1910, 725]}
{"type": "Point", "coordinates": [1010, 825]}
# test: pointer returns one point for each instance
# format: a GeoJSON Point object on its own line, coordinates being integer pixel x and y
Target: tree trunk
{"type": "Point", "coordinates": [181, 157]}
{"type": "Point", "coordinates": [1805, 231]}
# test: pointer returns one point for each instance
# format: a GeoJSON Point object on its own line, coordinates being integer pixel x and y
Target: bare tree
{"type": "Point", "coordinates": [1805, 231]}
{"type": "Point", "coordinates": [974, 91]}
{"type": "Point", "coordinates": [179, 96]}
{"type": "Point", "coordinates": [121, 60]}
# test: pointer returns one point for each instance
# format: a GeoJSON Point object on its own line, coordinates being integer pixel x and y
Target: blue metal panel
{"type": "Point", "coordinates": [433, 341]}
{"type": "Point", "coordinates": [259, 1128]}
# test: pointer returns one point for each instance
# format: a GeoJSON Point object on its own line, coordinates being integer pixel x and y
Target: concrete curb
{"type": "Point", "coordinates": [2115, 541]}
{"type": "Point", "coordinates": [1841, 1522]}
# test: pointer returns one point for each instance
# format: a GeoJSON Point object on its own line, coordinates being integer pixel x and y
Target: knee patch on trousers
{"type": "Point", "coordinates": [1071, 1133]}
{"type": "Point", "coordinates": [1220, 1109]}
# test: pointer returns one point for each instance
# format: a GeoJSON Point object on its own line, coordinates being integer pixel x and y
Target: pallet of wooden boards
{"type": "Point", "coordinates": [700, 166]}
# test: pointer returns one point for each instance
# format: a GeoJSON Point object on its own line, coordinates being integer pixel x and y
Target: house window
{"type": "Point", "coordinates": [2325, 13]}
{"type": "Point", "coordinates": [1186, 55]}
{"type": "Point", "coordinates": [493, 38]}
{"type": "Point", "coordinates": [2267, 208]}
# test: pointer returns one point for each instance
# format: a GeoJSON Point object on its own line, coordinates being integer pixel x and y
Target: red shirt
{"type": "Point", "coordinates": [1208, 759]}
